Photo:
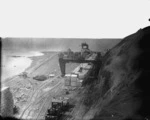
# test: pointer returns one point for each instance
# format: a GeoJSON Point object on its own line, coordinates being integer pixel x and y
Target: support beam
{"type": "Point", "coordinates": [62, 63]}
{"type": "Point", "coordinates": [62, 66]}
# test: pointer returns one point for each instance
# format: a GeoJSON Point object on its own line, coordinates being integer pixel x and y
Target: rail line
{"type": "Point", "coordinates": [42, 107]}
{"type": "Point", "coordinates": [34, 95]}
{"type": "Point", "coordinates": [28, 108]}
{"type": "Point", "coordinates": [44, 99]}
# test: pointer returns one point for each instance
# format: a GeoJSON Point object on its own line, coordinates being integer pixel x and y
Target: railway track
{"type": "Point", "coordinates": [27, 110]}
{"type": "Point", "coordinates": [43, 101]}
{"type": "Point", "coordinates": [46, 105]}
{"type": "Point", "coordinates": [35, 94]}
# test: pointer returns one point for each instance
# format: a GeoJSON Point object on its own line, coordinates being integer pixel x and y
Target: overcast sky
{"type": "Point", "coordinates": [73, 18]}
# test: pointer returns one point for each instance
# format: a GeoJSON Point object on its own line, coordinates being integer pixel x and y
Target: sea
{"type": "Point", "coordinates": [15, 62]}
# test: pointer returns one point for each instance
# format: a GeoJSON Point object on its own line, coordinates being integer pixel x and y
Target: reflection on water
{"type": "Point", "coordinates": [14, 63]}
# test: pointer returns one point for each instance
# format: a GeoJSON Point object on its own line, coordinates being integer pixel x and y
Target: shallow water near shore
{"type": "Point", "coordinates": [14, 63]}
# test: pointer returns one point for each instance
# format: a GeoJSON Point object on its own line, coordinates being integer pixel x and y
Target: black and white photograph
{"type": "Point", "coordinates": [75, 59]}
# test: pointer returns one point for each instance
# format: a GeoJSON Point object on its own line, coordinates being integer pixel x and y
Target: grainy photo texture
{"type": "Point", "coordinates": [76, 79]}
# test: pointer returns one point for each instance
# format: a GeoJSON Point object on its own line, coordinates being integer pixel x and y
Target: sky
{"type": "Point", "coordinates": [73, 18]}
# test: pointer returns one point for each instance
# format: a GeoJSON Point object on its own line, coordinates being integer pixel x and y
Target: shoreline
{"type": "Point", "coordinates": [38, 60]}
{"type": "Point", "coordinates": [34, 60]}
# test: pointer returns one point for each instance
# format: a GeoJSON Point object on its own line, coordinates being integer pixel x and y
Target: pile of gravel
{"type": "Point", "coordinates": [40, 77]}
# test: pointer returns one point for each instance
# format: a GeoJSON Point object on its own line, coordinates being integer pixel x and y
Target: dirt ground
{"type": "Point", "coordinates": [33, 97]}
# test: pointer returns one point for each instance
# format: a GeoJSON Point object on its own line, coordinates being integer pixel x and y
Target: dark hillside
{"type": "Point", "coordinates": [143, 81]}
{"type": "Point", "coordinates": [122, 89]}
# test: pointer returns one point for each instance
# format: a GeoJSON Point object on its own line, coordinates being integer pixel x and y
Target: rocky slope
{"type": "Point", "coordinates": [121, 91]}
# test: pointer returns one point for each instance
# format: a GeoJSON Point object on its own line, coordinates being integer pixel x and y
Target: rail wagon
{"type": "Point", "coordinates": [58, 107]}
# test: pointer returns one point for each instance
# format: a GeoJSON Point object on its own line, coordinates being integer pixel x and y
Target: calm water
{"type": "Point", "coordinates": [14, 65]}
